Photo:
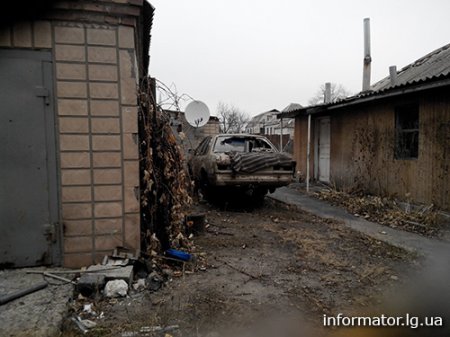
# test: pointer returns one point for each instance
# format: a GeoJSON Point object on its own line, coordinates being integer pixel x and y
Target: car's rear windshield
{"type": "Point", "coordinates": [241, 144]}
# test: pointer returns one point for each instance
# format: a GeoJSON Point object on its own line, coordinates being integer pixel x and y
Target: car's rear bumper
{"type": "Point", "coordinates": [263, 179]}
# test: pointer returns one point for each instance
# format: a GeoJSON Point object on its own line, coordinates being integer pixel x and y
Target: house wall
{"type": "Point", "coordinates": [362, 150]}
{"type": "Point", "coordinates": [261, 121]}
{"type": "Point", "coordinates": [95, 78]}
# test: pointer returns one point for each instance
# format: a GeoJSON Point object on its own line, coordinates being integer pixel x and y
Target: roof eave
{"type": "Point", "coordinates": [352, 101]}
{"type": "Point", "coordinates": [390, 93]}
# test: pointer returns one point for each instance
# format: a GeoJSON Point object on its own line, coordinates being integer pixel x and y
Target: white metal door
{"type": "Point", "coordinates": [324, 149]}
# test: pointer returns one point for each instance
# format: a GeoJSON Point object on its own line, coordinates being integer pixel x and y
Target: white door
{"type": "Point", "coordinates": [323, 145]}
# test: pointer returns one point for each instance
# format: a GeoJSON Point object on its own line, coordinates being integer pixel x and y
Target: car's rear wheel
{"type": "Point", "coordinates": [258, 195]}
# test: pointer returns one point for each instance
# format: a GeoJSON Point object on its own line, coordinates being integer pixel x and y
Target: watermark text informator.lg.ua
{"type": "Point", "coordinates": [409, 321]}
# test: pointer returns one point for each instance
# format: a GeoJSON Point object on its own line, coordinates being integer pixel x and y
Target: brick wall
{"type": "Point", "coordinates": [95, 75]}
{"type": "Point", "coordinates": [212, 128]}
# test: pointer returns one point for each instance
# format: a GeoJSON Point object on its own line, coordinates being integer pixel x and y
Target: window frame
{"type": "Point", "coordinates": [202, 148]}
{"type": "Point", "coordinates": [401, 149]}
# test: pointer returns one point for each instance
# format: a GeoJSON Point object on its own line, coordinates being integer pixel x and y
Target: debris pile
{"type": "Point", "coordinates": [167, 251]}
{"type": "Point", "coordinates": [165, 183]}
{"type": "Point", "coordinates": [123, 276]}
{"type": "Point", "coordinates": [385, 211]}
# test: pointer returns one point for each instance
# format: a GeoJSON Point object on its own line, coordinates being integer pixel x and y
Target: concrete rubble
{"type": "Point", "coordinates": [46, 301]}
{"type": "Point", "coordinates": [116, 288]}
{"type": "Point", "coordinates": [119, 277]}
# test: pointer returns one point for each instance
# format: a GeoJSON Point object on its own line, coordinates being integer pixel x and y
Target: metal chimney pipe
{"type": "Point", "coordinates": [367, 57]}
{"type": "Point", "coordinates": [327, 95]}
{"type": "Point", "coordinates": [393, 75]}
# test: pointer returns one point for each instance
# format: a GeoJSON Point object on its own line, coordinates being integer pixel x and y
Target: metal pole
{"type": "Point", "coordinates": [10, 297]}
{"type": "Point", "coordinates": [327, 96]}
{"type": "Point", "coordinates": [281, 134]}
{"type": "Point", "coordinates": [308, 151]}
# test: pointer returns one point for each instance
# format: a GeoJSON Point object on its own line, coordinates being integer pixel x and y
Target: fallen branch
{"type": "Point", "coordinates": [239, 270]}
{"type": "Point", "coordinates": [415, 223]}
{"type": "Point", "coordinates": [219, 232]}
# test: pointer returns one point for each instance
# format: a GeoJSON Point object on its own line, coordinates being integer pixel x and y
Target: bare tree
{"type": "Point", "coordinates": [169, 98]}
{"type": "Point", "coordinates": [232, 119]}
{"type": "Point", "coordinates": [338, 91]}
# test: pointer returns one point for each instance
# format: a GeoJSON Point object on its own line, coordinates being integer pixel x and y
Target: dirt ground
{"type": "Point", "coordinates": [269, 271]}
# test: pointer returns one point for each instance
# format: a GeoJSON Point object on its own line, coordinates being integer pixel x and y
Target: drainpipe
{"type": "Point", "coordinates": [308, 151]}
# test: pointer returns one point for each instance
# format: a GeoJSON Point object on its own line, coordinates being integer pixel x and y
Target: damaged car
{"type": "Point", "coordinates": [244, 162]}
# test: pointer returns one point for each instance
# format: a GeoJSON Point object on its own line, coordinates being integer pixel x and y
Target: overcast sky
{"type": "Point", "coordinates": [260, 55]}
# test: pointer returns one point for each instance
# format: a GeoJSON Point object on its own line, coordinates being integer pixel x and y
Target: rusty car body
{"type": "Point", "coordinates": [240, 162]}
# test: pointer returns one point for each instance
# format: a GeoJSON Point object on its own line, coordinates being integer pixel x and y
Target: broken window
{"type": "Point", "coordinates": [241, 144]}
{"type": "Point", "coordinates": [259, 145]}
{"type": "Point", "coordinates": [229, 144]}
{"type": "Point", "coordinates": [407, 132]}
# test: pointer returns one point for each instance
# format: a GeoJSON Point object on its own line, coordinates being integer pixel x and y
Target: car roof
{"type": "Point", "coordinates": [239, 135]}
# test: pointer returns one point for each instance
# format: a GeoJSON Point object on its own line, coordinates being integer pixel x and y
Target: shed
{"type": "Point", "coordinates": [69, 171]}
{"type": "Point", "coordinates": [391, 140]}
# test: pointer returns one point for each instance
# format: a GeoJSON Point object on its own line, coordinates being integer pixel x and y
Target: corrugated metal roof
{"type": "Point", "coordinates": [432, 65]}
{"type": "Point", "coordinates": [432, 69]}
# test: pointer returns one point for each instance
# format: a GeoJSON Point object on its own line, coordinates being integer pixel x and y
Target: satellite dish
{"type": "Point", "coordinates": [197, 113]}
